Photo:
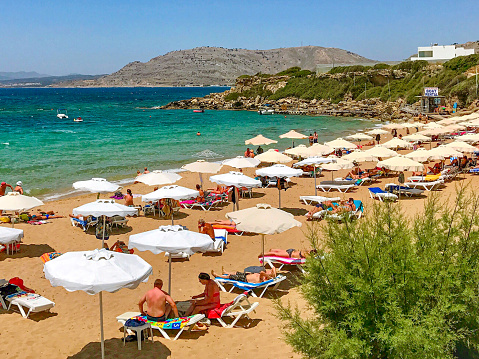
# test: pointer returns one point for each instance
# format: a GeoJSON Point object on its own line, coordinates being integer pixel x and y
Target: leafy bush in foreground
{"type": "Point", "coordinates": [390, 287]}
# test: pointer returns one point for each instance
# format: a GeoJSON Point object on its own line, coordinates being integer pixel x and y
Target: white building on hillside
{"type": "Point", "coordinates": [440, 53]}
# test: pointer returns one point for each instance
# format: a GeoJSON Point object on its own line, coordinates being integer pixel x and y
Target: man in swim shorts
{"type": "Point", "coordinates": [156, 300]}
{"type": "Point", "coordinates": [3, 188]}
{"type": "Point", "coordinates": [248, 277]}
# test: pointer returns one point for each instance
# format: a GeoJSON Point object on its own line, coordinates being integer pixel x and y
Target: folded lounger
{"type": "Point", "coordinates": [376, 192]}
{"type": "Point", "coordinates": [274, 283]}
{"type": "Point", "coordinates": [317, 199]}
{"type": "Point", "coordinates": [170, 324]}
{"type": "Point", "coordinates": [282, 261]}
{"type": "Point", "coordinates": [23, 300]}
{"type": "Point", "coordinates": [238, 308]}
{"type": "Point", "coordinates": [428, 186]}
{"type": "Point", "coordinates": [403, 190]}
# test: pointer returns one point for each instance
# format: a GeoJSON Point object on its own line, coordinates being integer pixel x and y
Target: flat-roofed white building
{"type": "Point", "coordinates": [440, 53]}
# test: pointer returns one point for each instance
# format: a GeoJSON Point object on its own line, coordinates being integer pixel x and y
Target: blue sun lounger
{"type": "Point", "coordinates": [274, 283]}
{"type": "Point", "coordinates": [376, 192]}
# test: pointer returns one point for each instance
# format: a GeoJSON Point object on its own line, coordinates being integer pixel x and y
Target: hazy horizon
{"type": "Point", "coordinates": [91, 37]}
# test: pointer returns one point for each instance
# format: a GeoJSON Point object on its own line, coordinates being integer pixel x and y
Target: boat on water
{"type": "Point", "coordinates": [62, 113]}
{"type": "Point", "coordinates": [199, 110]}
{"type": "Point", "coordinates": [267, 111]}
{"type": "Point", "coordinates": [78, 119]}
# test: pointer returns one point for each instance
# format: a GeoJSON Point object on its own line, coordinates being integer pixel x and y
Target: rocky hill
{"type": "Point", "coordinates": [219, 66]}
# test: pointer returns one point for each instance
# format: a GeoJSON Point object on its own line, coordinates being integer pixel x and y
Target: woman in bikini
{"type": "Point", "coordinates": [211, 296]}
{"type": "Point", "coordinates": [285, 253]}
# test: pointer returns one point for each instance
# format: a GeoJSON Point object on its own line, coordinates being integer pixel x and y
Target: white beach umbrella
{"type": "Point", "coordinates": [9, 235]}
{"type": "Point", "coordinates": [236, 179]}
{"type": "Point", "coordinates": [469, 137]}
{"type": "Point", "coordinates": [341, 143]}
{"type": "Point", "coordinates": [170, 192]}
{"type": "Point", "coordinates": [359, 156]}
{"type": "Point", "coordinates": [381, 151]}
{"type": "Point", "coordinates": [96, 185]}
{"type": "Point", "coordinates": [14, 201]}
{"type": "Point", "coordinates": [273, 156]}
{"type": "Point", "coordinates": [263, 219]}
{"type": "Point", "coordinates": [279, 171]}
{"type": "Point", "coordinates": [392, 126]}
{"type": "Point", "coordinates": [242, 162]}
{"type": "Point", "coordinates": [171, 239]}
{"type": "Point", "coordinates": [300, 150]}
{"type": "Point", "coordinates": [202, 166]}
{"type": "Point", "coordinates": [417, 137]}
{"type": "Point", "coordinates": [420, 155]}
{"type": "Point", "coordinates": [377, 131]}
{"type": "Point", "coordinates": [157, 178]}
{"type": "Point", "coordinates": [293, 135]}
{"type": "Point", "coordinates": [461, 146]}
{"type": "Point", "coordinates": [259, 140]}
{"type": "Point", "coordinates": [396, 143]}
{"type": "Point", "coordinates": [97, 271]}
{"type": "Point", "coordinates": [105, 208]}
{"type": "Point", "coordinates": [401, 163]}
{"type": "Point", "coordinates": [442, 152]}
{"type": "Point", "coordinates": [318, 149]}
{"type": "Point", "coordinates": [360, 137]}
{"type": "Point", "coordinates": [315, 161]}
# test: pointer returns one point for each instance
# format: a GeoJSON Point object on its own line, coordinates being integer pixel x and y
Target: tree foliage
{"type": "Point", "coordinates": [390, 286]}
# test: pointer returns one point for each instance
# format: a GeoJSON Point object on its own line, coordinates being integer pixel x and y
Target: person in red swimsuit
{"type": "Point", "coordinates": [211, 296]}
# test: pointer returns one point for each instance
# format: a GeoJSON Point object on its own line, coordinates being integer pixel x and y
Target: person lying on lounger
{"type": "Point", "coordinates": [206, 228]}
{"type": "Point", "coordinates": [320, 207]}
{"type": "Point", "coordinates": [247, 277]}
{"type": "Point", "coordinates": [288, 253]}
{"type": "Point", "coordinates": [211, 296]}
{"type": "Point", "coordinates": [156, 300]}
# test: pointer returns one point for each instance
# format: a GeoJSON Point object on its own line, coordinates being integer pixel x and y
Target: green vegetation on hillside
{"type": "Point", "coordinates": [405, 80]}
{"type": "Point", "coordinates": [392, 287]}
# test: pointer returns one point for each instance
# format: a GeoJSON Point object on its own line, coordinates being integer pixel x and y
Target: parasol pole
{"type": "Point", "coordinates": [103, 235]}
{"type": "Point", "coordinates": [101, 328]}
{"type": "Point", "coordinates": [315, 189]}
{"type": "Point", "coordinates": [262, 252]}
{"type": "Point", "coordinates": [169, 274]}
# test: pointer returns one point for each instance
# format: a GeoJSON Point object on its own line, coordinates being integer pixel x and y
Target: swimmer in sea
{"type": "Point", "coordinates": [198, 133]}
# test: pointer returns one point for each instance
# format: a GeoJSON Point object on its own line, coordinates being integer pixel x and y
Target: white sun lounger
{"type": "Point", "coordinates": [428, 186]}
{"type": "Point", "coordinates": [221, 240]}
{"type": "Point", "coordinates": [237, 310]}
{"type": "Point", "coordinates": [329, 187]}
{"type": "Point", "coordinates": [206, 206]}
{"type": "Point", "coordinates": [274, 283]}
{"type": "Point", "coordinates": [33, 302]}
{"type": "Point", "coordinates": [190, 324]}
{"type": "Point", "coordinates": [282, 261]}
{"type": "Point", "coordinates": [317, 199]}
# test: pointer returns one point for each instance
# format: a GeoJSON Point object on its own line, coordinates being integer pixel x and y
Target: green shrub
{"type": "Point", "coordinates": [289, 71]}
{"type": "Point", "coordinates": [462, 63]}
{"type": "Point", "coordinates": [233, 96]}
{"type": "Point", "coordinates": [381, 66]}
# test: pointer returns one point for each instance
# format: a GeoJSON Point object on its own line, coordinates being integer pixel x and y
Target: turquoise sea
{"type": "Point", "coordinates": [122, 132]}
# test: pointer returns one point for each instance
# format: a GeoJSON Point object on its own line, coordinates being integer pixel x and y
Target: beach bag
{"type": "Point", "coordinates": [133, 323]}
{"type": "Point", "coordinates": [99, 230]}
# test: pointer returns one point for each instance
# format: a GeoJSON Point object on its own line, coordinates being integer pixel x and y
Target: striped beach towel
{"type": "Point", "coordinates": [175, 323]}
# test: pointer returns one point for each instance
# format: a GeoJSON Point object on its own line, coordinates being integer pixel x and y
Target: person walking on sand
{"type": "Point", "coordinates": [156, 300]}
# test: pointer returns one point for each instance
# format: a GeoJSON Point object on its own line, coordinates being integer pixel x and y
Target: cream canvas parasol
{"type": "Point", "coordinates": [273, 156]}
{"type": "Point", "coordinates": [461, 146]}
{"type": "Point", "coordinates": [259, 140]}
{"type": "Point", "coordinates": [242, 162]}
{"type": "Point", "coordinates": [396, 142]}
{"type": "Point", "coordinates": [420, 155]}
{"type": "Point", "coordinates": [401, 163]}
{"type": "Point", "coordinates": [341, 143]}
{"type": "Point", "coordinates": [381, 151]}
{"type": "Point", "coordinates": [157, 178]}
{"type": "Point", "coordinates": [318, 149]}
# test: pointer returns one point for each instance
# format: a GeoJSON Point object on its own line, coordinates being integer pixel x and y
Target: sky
{"type": "Point", "coordinates": [98, 37]}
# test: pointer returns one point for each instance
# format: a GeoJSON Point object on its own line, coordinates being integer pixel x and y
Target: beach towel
{"type": "Point", "coordinates": [38, 222]}
{"type": "Point", "coordinates": [218, 312]}
{"type": "Point", "coordinates": [175, 323]}
{"type": "Point", "coordinates": [45, 257]}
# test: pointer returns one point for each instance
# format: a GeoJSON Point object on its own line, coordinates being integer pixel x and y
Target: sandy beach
{"type": "Point", "coordinates": [72, 328]}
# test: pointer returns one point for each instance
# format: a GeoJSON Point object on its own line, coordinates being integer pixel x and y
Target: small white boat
{"type": "Point", "coordinates": [266, 112]}
{"type": "Point", "coordinates": [78, 119]}
{"type": "Point", "coordinates": [62, 113]}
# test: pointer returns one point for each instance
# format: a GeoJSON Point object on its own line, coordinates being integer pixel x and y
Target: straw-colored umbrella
{"type": "Point", "coordinates": [397, 143]}
{"type": "Point", "coordinates": [259, 140]}
{"type": "Point", "coordinates": [273, 156]}
{"type": "Point", "coordinates": [381, 151]}
{"type": "Point", "coordinates": [263, 219]}
{"type": "Point", "coordinates": [293, 135]}
{"type": "Point", "coordinates": [341, 143]}
{"type": "Point", "coordinates": [401, 163]}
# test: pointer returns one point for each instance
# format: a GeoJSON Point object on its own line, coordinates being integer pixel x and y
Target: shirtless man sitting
{"type": "Point", "coordinates": [248, 277]}
{"type": "Point", "coordinates": [156, 300]}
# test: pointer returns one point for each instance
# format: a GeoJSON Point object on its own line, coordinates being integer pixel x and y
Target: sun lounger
{"type": "Point", "coordinates": [474, 170]}
{"type": "Point", "coordinates": [206, 206]}
{"type": "Point", "coordinates": [428, 186]}
{"type": "Point", "coordinates": [376, 192]}
{"type": "Point", "coordinates": [282, 261]}
{"type": "Point", "coordinates": [274, 283]}
{"type": "Point", "coordinates": [24, 301]}
{"type": "Point", "coordinates": [357, 213]}
{"type": "Point", "coordinates": [85, 224]}
{"type": "Point", "coordinates": [427, 178]}
{"type": "Point", "coordinates": [240, 307]}
{"type": "Point", "coordinates": [330, 187]}
{"type": "Point", "coordinates": [119, 221]}
{"type": "Point", "coordinates": [221, 240]}
{"type": "Point", "coordinates": [403, 190]}
{"type": "Point", "coordinates": [317, 199]}
{"type": "Point", "coordinates": [163, 327]}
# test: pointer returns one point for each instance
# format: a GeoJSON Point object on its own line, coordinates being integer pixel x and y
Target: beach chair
{"type": "Point", "coordinates": [85, 224]}
{"type": "Point", "coordinates": [119, 221]}
{"type": "Point", "coordinates": [221, 240]}
{"type": "Point", "coordinates": [376, 192]}
{"type": "Point", "coordinates": [240, 307]}
{"type": "Point", "coordinates": [272, 182]}
{"type": "Point", "coordinates": [251, 287]}
{"type": "Point", "coordinates": [206, 206]}
{"type": "Point", "coordinates": [343, 188]}
{"type": "Point", "coordinates": [403, 190]}
{"type": "Point", "coordinates": [24, 301]}
{"type": "Point", "coordinates": [179, 324]}
{"type": "Point", "coordinates": [356, 214]}
{"type": "Point", "coordinates": [271, 261]}
{"type": "Point", "coordinates": [308, 200]}
{"type": "Point", "coordinates": [428, 186]}
{"type": "Point", "coordinates": [148, 209]}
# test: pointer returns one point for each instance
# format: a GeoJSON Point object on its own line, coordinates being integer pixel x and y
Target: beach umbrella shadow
{"type": "Point", "coordinates": [29, 251]}
{"type": "Point", "coordinates": [114, 348]}
{"type": "Point", "coordinates": [295, 211]}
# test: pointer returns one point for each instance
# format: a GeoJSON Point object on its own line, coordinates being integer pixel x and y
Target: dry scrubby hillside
{"type": "Point", "coordinates": [219, 66]}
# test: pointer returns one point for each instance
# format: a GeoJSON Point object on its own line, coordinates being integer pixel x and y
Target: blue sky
{"type": "Point", "coordinates": [94, 37]}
